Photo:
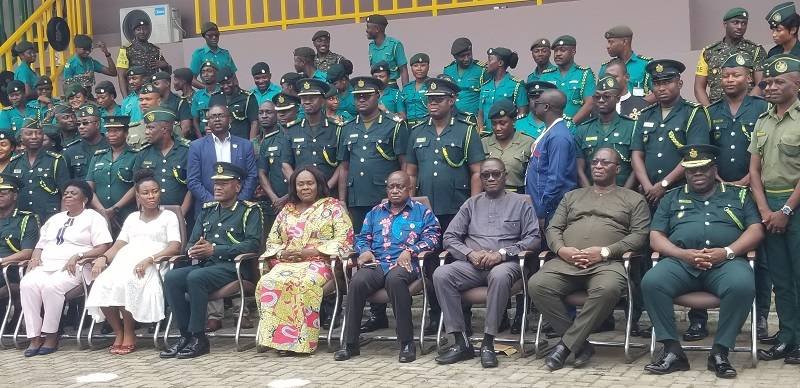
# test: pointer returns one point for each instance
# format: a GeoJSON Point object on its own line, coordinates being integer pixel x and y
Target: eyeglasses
{"type": "Point", "coordinates": [492, 174]}
{"type": "Point", "coordinates": [436, 99]}
{"type": "Point", "coordinates": [218, 116]}
{"type": "Point", "coordinates": [364, 96]}
{"type": "Point", "coordinates": [602, 163]}
{"type": "Point", "coordinates": [603, 97]}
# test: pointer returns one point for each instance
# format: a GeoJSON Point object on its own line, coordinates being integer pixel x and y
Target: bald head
{"type": "Point", "coordinates": [555, 98]}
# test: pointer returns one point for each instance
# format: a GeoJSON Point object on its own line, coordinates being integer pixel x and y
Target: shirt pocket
{"type": "Point", "coordinates": [681, 212]}
{"type": "Point", "coordinates": [453, 151]}
{"type": "Point", "coordinates": [422, 149]}
{"type": "Point", "coordinates": [125, 174]}
{"type": "Point", "coordinates": [789, 144]}
{"type": "Point", "coordinates": [238, 112]}
{"type": "Point", "coordinates": [78, 164]}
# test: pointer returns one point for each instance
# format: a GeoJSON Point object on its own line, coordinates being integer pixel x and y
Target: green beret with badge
{"type": "Point", "coordinates": [290, 78]}
{"type": "Point", "coordinates": [285, 101]}
{"type": "Point", "coordinates": [782, 14]}
{"type": "Point", "coordinates": [209, 63]}
{"type": "Point", "coordinates": [311, 87]}
{"type": "Point", "coordinates": [43, 81]}
{"type": "Point", "coordinates": [738, 60]}
{"type": "Point", "coordinates": [148, 89]}
{"type": "Point", "coordinates": [82, 41]}
{"type": "Point", "coordinates": [698, 155]}
{"type": "Point", "coordinates": [227, 171]}
{"type": "Point", "coordinates": [208, 26]}
{"type": "Point", "coordinates": [87, 110]}
{"type": "Point", "coordinates": [781, 64]}
{"type": "Point", "coordinates": [619, 32]}
{"type": "Point", "coordinates": [535, 88]}
{"type": "Point", "coordinates": [22, 47]}
{"type": "Point", "coordinates": [363, 85]}
{"type": "Point", "coordinates": [6, 134]}
{"type": "Point", "coordinates": [60, 109]}
{"type": "Point", "coordinates": [377, 19]}
{"type": "Point", "coordinates": [336, 72]}
{"type": "Point", "coordinates": [543, 42]}
{"type": "Point", "coordinates": [184, 74]}
{"type": "Point", "coordinates": [379, 67]}
{"type": "Point", "coordinates": [260, 68]}
{"type": "Point", "coordinates": [158, 115]}
{"type": "Point", "coordinates": [564, 40]}
{"type": "Point", "coordinates": [664, 69]}
{"type": "Point", "coordinates": [607, 82]}
{"type": "Point", "coordinates": [161, 75]}
{"type": "Point", "coordinates": [15, 86]}
{"type": "Point", "coordinates": [117, 122]}
{"type": "Point", "coordinates": [460, 46]}
{"type": "Point", "coordinates": [503, 108]}
{"type": "Point", "coordinates": [441, 87]}
{"type": "Point", "coordinates": [73, 90]}
{"type": "Point", "coordinates": [737, 12]}
{"type": "Point", "coordinates": [9, 182]}
{"type": "Point", "coordinates": [419, 58]}
{"type": "Point", "coordinates": [137, 70]}
{"type": "Point", "coordinates": [224, 74]}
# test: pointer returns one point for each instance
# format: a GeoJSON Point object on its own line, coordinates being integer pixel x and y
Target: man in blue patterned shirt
{"type": "Point", "coordinates": [393, 234]}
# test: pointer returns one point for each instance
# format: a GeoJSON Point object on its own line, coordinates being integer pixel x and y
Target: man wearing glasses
{"type": "Point", "coordinates": [607, 130]}
{"type": "Point", "coordinates": [589, 232]}
{"type": "Point", "coordinates": [79, 154]}
{"type": "Point", "coordinates": [485, 236]}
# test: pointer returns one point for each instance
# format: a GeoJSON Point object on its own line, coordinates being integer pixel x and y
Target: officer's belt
{"type": "Point", "coordinates": [779, 191]}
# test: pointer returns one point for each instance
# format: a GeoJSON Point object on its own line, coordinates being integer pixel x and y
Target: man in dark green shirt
{"type": "Point", "coordinates": [241, 103]}
{"type": "Point", "coordinates": [79, 154]}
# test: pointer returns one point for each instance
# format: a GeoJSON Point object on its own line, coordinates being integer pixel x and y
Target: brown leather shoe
{"type": "Point", "coordinates": [213, 325]}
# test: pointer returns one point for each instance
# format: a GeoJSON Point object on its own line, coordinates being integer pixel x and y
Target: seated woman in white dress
{"type": "Point", "coordinates": [130, 286]}
{"type": "Point", "coordinates": [64, 239]}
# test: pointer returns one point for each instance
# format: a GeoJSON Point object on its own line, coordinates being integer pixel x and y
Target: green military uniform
{"type": "Point", "coordinates": [314, 146]}
{"type": "Point", "coordinates": [242, 105]}
{"type": "Point", "coordinates": [535, 75]}
{"type": "Point", "coordinates": [390, 95]}
{"type": "Point", "coordinates": [732, 132]}
{"type": "Point", "coordinates": [35, 108]}
{"type": "Point", "coordinates": [660, 138]}
{"type": "Point", "coordinates": [638, 78]}
{"type": "Point", "coordinates": [12, 117]}
{"type": "Point", "coordinates": [443, 159]}
{"type": "Point", "coordinates": [391, 50]}
{"type": "Point", "coordinates": [776, 140]}
{"type": "Point", "coordinates": [113, 178]}
{"type": "Point", "coordinates": [136, 137]}
{"type": "Point", "coordinates": [19, 231]}
{"type": "Point", "coordinates": [469, 79]}
{"type": "Point", "coordinates": [712, 57]}
{"type": "Point", "coordinates": [576, 83]}
{"type": "Point", "coordinates": [412, 97]}
{"type": "Point", "coordinates": [232, 231]}
{"type": "Point", "coordinates": [509, 87]}
{"type": "Point", "coordinates": [783, 14]}
{"type": "Point", "coordinates": [529, 125]}
{"type": "Point", "coordinates": [42, 181]}
{"type": "Point", "coordinates": [79, 154]}
{"type": "Point", "coordinates": [693, 222]}
{"type": "Point", "coordinates": [515, 154]}
{"type": "Point", "coordinates": [372, 151]}
{"type": "Point", "coordinates": [347, 105]}
{"type": "Point", "coordinates": [170, 169]}
{"type": "Point", "coordinates": [273, 151]}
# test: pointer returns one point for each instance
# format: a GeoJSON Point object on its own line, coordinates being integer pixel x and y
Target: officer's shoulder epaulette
{"type": "Point", "coordinates": [8, 107]}
{"type": "Point", "coordinates": [763, 114]}
{"type": "Point", "coordinates": [651, 106]}
{"type": "Point", "coordinates": [245, 91]}
{"type": "Point", "coordinates": [674, 190]}
{"type": "Point", "coordinates": [210, 204]}
{"type": "Point", "coordinates": [215, 92]}
{"type": "Point", "coordinates": [15, 157]}
{"type": "Point", "coordinates": [740, 187]}
{"type": "Point", "coordinates": [101, 151]}
{"type": "Point", "coordinates": [715, 103]}
{"type": "Point", "coordinates": [466, 120]}
{"type": "Point", "coordinates": [712, 45]}
{"type": "Point", "coordinates": [144, 147]}
{"type": "Point", "coordinates": [607, 62]}
{"type": "Point", "coordinates": [550, 69]}
{"type": "Point", "coordinates": [53, 154]}
{"type": "Point", "coordinates": [388, 115]}
{"type": "Point", "coordinates": [292, 123]}
{"type": "Point", "coordinates": [479, 63]}
{"type": "Point", "coordinates": [692, 103]}
{"type": "Point", "coordinates": [419, 123]}
{"type": "Point", "coordinates": [582, 67]}
{"type": "Point", "coordinates": [24, 212]}
{"type": "Point", "coordinates": [644, 57]}
{"type": "Point", "coordinates": [72, 143]}
{"type": "Point", "coordinates": [626, 118]}
{"type": "Point", "coordinates": [586, 122]}
{"type": "Point", "coordinates": [183, 142]}
{"type": "Point", "coordinates": [251, 204]}
{"type": "Point", "coordinates": [515, 79]}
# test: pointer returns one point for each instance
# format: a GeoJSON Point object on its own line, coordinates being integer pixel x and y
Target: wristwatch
{"type": "Point", "coordinates": [729, 253]}
{"type": "Point", "coordinates": [665, 183]}
{"type": "Point", "coordinates": [502, 252]}
{"type": "Point", "coordinates": [605, 252]}
{"type": "Point", "coordinates": [787, 210]}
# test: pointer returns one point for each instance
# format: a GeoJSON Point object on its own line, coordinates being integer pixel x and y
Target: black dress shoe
{"type": "Point", "coordinates": [669, 362]}
{"type": "Point", "coordinates": [488, 358]}
{"type": "Point", "coordinates": [583, 356]}
{"type": "Point", "coordinates": [695, 332]}
{"type": "Point", "coordinates": [433, 325]}
{"type": "Point", "coordinates": [346, 352]}
{"type": "Point", "coordinates": [196, 347]}
{"type": "Point", "coordinates": [516, 325]}
{"type": "Point", "coordinates": [408, 353]}
{"type": "Point", "coordinates": [505, 323]}
{"type": "Point", "coordinates": [762, 328]}
{"type": "Point", "coordinates": [176, 347]}
{"type": "Point", "coordinates": [548, 330]}
{"type": "Point", "coordinates": [719, 364]}
{"type": "Point", "coordinates": [374, 323]}
{"type": "Point", "coordinates": [637, 331]}
{"type": "Point", "coordinates": [607, 325]}
{"type": "Point", "coordinates": [557, 357]}
{"type": "Point", "coordinates": [793, 357]}
{"type": "Point", "coordinates": [106, 329]}
{"type": "Point", "coordinates": [456, 353]}
{"type": "Point", "coordinates": [776, 352]}
{"type": "Point", "coordinates": [770, 340]}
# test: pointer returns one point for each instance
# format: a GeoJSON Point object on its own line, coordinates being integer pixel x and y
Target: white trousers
{"type": "Point", "coordinates": [40, 288]}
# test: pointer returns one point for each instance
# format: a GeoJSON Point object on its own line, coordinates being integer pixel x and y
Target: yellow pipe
{"type": "Point", "coordinates": [283, 14]}
{"type": "Point", "coordinates": [357, 10]}
{"type": "Point", "coordinates": [265, 4]}
{"type": "Point", "coordinates": [78, 16]}
{"type": "Point", "coordinates": [197, 16]}
{"type": "Point", "coordinates": [231, 14]}
{"type": "Point", "coordinates": [89, 20]}
{"type": "Point", "coordinates": [212, 11]}
{"type": "Point", "coordinates": [301, 9]}
{"type": "Point", "coordinates": [319, 8]}
{"type": "Point", "coordinates": [247, 8]}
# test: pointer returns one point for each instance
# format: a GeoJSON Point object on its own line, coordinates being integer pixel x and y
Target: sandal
{"type": "Point", "coordinates": [125, 349]}
{"type": "Point", "coordinates": [113, 349]}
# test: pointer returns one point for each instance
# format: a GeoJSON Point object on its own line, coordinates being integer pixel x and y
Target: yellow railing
{"type": "Point", "coordinates": [77, 13]}
{"type": "Point", "coordinates": [231, 16]}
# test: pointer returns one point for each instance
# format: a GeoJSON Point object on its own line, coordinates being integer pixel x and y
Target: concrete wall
{"type": "Point", "coordinates": [675, 29]}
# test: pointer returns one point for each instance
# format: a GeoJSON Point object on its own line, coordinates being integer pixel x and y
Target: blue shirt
{"type": "Point", "coordinates": [534, 76]}
{"type": "Point", "coordinates": [577, 84]}
{"type": "Point", "coordinates": [508, 87]}
{"type": "Point", "coordinates": [199, 108]}
{"type": "Point", "coordinates": [392, 52]}
{"type": "Point", "coordinates": [104, 113]}
{"type": "Point", "coordinates": [220, 57]}
{"type": "Point", "coordinates": [130, 107]}
{"type": "Point", "coordinates": [11, 118]}
{"type": "Point", "coordinates": [24, 73]}
{"type": "Point", "coordinates": [470, 81]}
{"type": "Point", "coordinates": [77, 66]}
{"type": "Point", "coordinates": [261, 97]}
{"type": "Point", "coordinates": [347, 103]}
{"type": "Point", "coordinates": [413, 101]}
{"type": "Point", "coordinates": [552, 170]}
{"type": "Point", "coordinates": [387, 235]}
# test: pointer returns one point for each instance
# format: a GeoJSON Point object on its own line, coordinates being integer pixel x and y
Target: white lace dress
{"type": "Point", "coordinates": [117, 285]}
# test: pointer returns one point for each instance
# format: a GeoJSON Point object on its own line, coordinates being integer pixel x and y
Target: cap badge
{"type": "Point", "coordinates": [776, 17]}
{"type": "Point", "coordinates": [89, 109]}
{"type": "Point", "coordinates": [544, 41]}
{"type": "Point", "coordinates": [502, 112]}
{"type": "Point", "coordinates": [744, 14]}
{"type": "Point", "coordinates": [306, 86]}
{"type": "Point", "coordinates": [281, 99]}
{"type": "Point", "coordinates": [560, 42]}
{"type": "Point", "coordinates": [781, 66]}
{"type": "Point", "coordinates": [692, 153]}
{"type": "Point", "coordinates": [361, 83]}
{"type": "Point", "coordinates": [219, 169]}
{"type": "Point", "coordinates": [151, 116]}
{"type": "Point", "coordinates": [659, 68]}
{"type": "Point", "coordinates": [739, 59]}
{"type": "Point", "coordinates": [610, 82]}
{"type": "Point", "coordinates": [433, 86]}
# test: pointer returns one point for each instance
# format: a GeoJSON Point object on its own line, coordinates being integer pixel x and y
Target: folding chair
{"type": "Point", "coordinates": [158, 265]}
{"type": "Point", "coordinates": [707, 300]}
{"type": "Point", "coordinates": [578, 298]}
{"type": "Point", "coordinates": [478, 295]}
{"type": "Point", "coordinates": [10, 292]}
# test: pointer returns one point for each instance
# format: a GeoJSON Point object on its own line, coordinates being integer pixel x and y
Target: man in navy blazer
{"type": "Point", "coordinates": [219, 146]}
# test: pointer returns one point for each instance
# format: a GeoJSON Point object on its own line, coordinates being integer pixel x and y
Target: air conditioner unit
{"type": "Point", "coordinates": [164, 20]}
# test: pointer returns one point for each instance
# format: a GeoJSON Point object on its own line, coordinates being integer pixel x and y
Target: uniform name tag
{"type": "Point", "coordinates": [590, 138]}
{"type": "Point", "coordinates": [684, 201]}
{"type": "Point", "coordinates": [648, 124]}
{"type": "Point", "coordinates": [299, 140]}
{"type": "Point", "coordinates": [574, 81]}
{"type": "Point", "coordinates": [99, 164]}
{"type": "Point", "coordinates": [273, 148]}
{"type": "Point", "coordinates": [17, 171]}
{"type": "Point", "coordinates": [352, 135]}
{"type": "Point", "coordinates": [761, 133]}
{"type": "Point", "coordinates": [421, 139]}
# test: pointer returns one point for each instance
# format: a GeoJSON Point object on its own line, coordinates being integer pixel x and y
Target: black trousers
{"type": "Point", "coordinates": [199, 281]}
{"type": "Point", "coordinates": [368, 280]}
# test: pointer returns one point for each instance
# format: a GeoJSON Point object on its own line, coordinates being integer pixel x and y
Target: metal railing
{"type": "Point", "coordinates": [77, 13]}
{"type": "Point", "coordinates": [237, 15]}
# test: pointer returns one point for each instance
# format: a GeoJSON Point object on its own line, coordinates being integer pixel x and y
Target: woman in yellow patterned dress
{"type": "Point", "coordinates": [311, 227]}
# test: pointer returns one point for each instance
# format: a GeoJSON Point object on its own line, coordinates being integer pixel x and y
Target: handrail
{"type": "Point", "coordinates": [298, 14]}
{"type": "Point", "coordinates": [78, 15]}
